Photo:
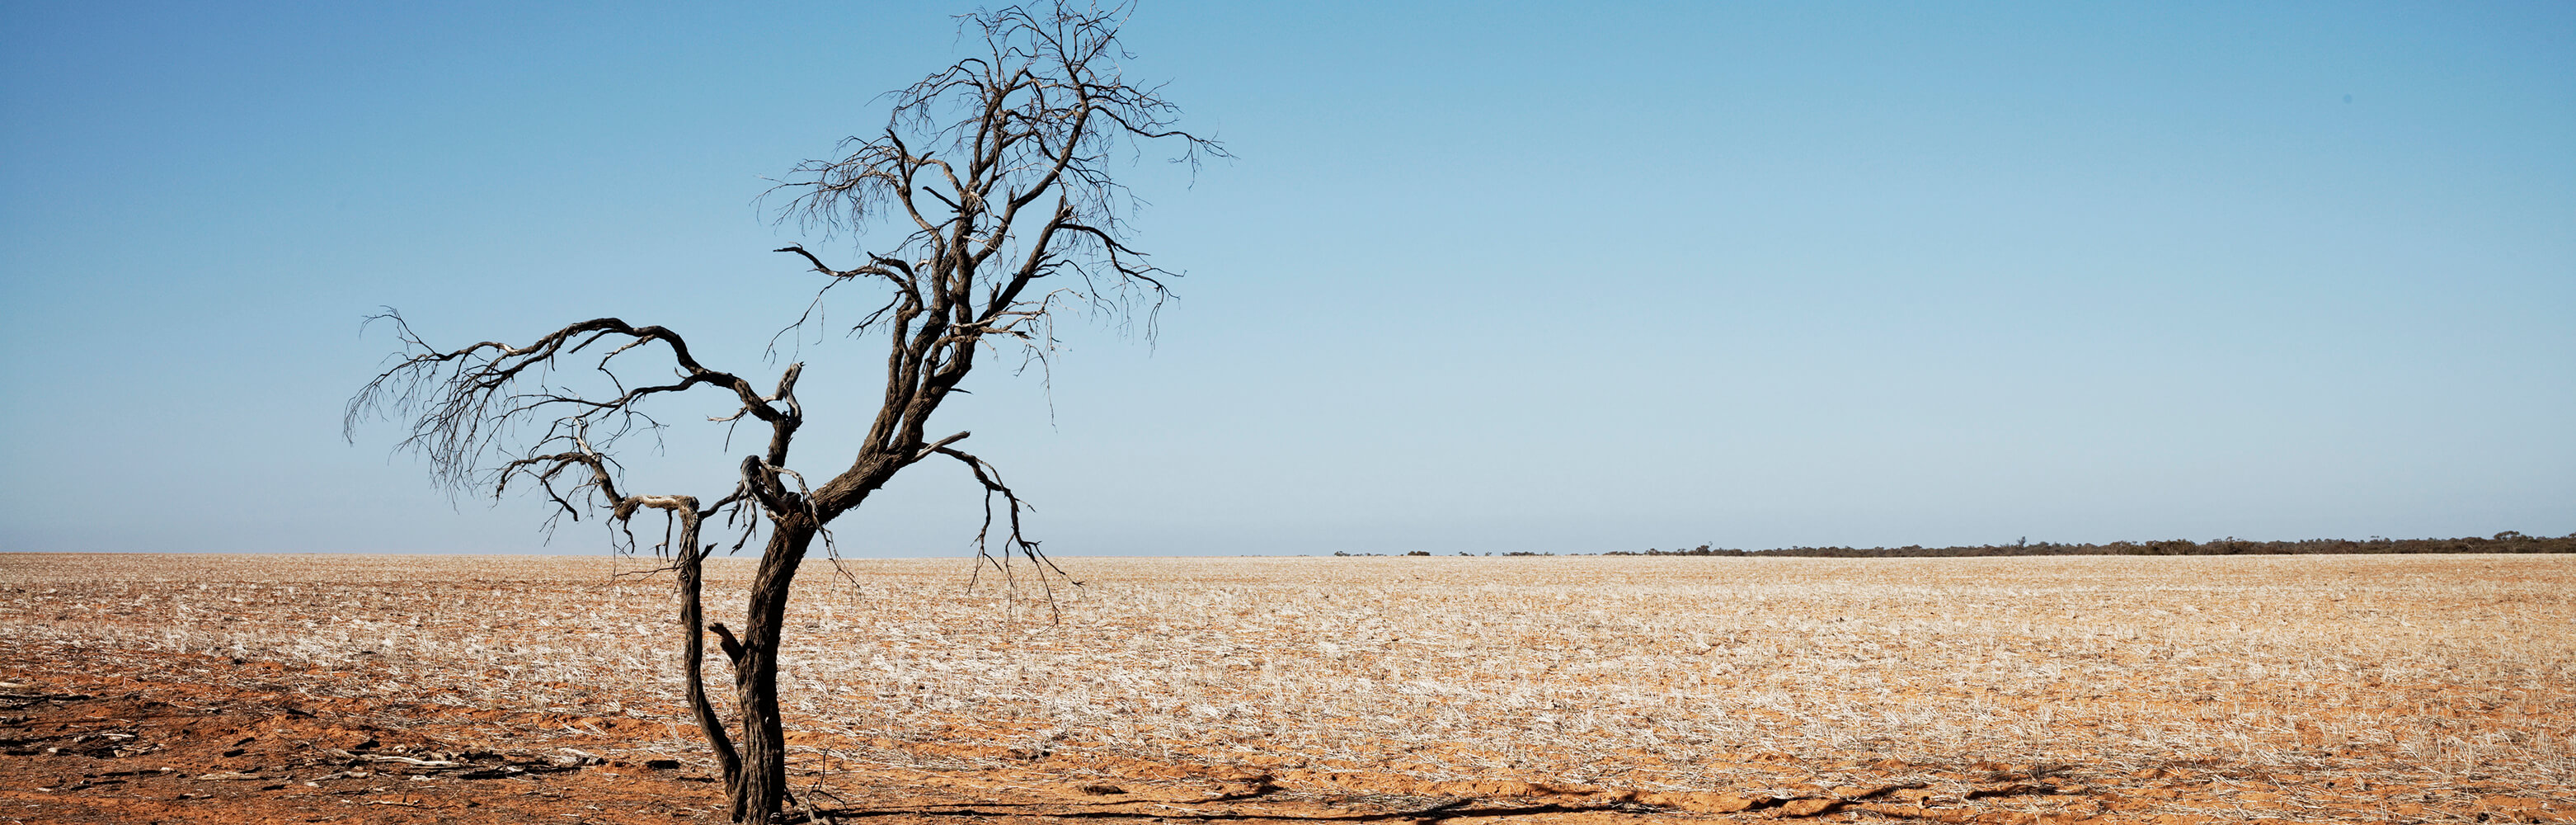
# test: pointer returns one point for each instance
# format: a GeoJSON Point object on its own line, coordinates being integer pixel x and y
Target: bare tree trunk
{"type": "Point", "coordinates": [693, 622]}
{"type": "Point", "coordinates": [761, 788]}
{"type": "Point", "coordinates": [974, 243]}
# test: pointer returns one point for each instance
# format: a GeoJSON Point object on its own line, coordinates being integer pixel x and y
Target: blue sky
{"type": "Point", "coordinates": [1484, 277]}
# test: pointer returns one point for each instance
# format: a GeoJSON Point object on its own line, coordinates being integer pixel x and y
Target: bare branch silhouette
{"type": "Point", "coordinates": [991, 188]}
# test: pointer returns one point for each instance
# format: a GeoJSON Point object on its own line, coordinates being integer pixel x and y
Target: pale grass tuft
{"type": "Point", "coordinates": [1649, 673]}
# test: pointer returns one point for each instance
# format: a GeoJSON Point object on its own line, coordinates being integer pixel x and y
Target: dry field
{"type": "Point", "coordinates": [1573, 689]}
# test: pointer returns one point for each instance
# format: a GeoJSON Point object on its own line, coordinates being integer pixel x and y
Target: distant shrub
{"type": "Point", "coordinates": [2505, 542]}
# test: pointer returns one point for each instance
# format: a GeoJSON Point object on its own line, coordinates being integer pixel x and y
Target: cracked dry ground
{"type": "Point", "coordinates": [474, 690]}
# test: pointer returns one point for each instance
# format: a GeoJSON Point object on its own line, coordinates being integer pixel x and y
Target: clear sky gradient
{"type": "Point", "coordinates": [1486, 277]}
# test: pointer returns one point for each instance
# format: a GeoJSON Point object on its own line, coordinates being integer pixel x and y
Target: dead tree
{"type": "Point", "coordinates": [991, 192]}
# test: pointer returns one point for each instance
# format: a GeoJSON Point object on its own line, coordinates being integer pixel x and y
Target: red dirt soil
{"type": "Point", "coordinates": [153, 748]}
{"type": "Point", "coordinates": [99, 734]}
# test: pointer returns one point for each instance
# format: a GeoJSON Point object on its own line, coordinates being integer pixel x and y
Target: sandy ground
{"type": "Point", "coordinates": [156, 688]}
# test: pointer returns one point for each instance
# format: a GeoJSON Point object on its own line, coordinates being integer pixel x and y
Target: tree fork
{"type": "Point", "coordinates": [1033, 118]}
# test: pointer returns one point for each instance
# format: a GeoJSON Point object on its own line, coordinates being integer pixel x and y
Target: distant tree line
{"type": "Point", "coordinates": [2505, 542]}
